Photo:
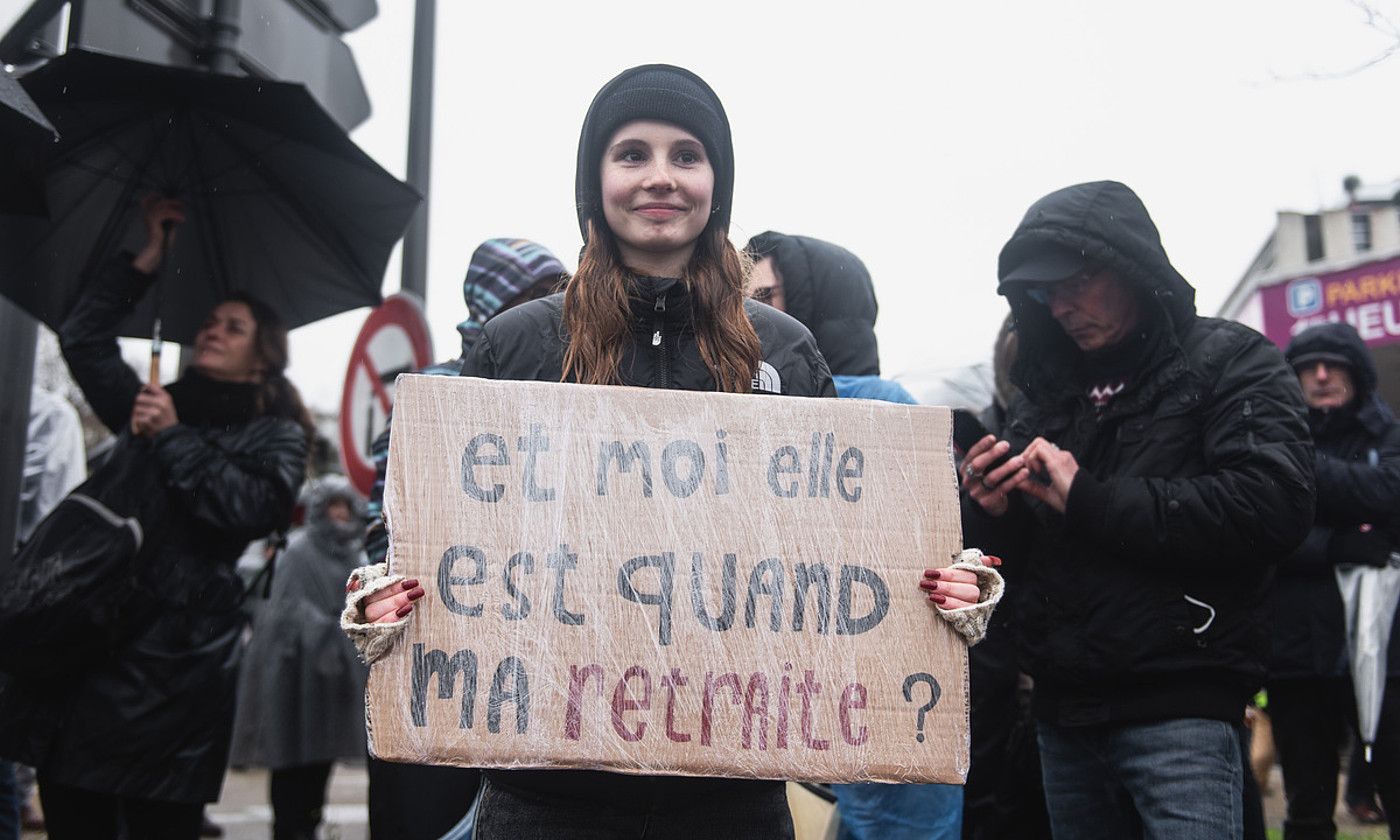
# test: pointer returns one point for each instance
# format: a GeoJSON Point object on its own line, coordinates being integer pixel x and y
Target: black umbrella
{"type": "Point", "coordinates": [280, 203]}
{"type": "Point", "coordinates": [25, 138]}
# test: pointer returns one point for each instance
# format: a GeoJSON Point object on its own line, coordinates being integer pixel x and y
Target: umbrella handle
{"type": "Point", "coordinates": [165, 227]}
{"type": "Point", "coordinates": [156, 344]}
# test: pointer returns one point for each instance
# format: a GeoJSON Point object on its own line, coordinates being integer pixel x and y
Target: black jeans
{"type": "Point", "coordinates": [506, 813]}
{"type": "Point", "coordinates": [1310, 719]}
{"type": "Point", "coordinates": [417, 801]}
{"type": "Point", "coordinates": [298, 795]}
{"type": "Point", "coordinates": [74, 814]}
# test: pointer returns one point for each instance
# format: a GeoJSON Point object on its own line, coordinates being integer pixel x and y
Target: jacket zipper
{"type": "Point", "coordinates": [663, 361]}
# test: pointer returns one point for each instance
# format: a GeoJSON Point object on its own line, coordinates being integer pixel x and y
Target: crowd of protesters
{"type": "Point", "coordinates": [1170, 495]}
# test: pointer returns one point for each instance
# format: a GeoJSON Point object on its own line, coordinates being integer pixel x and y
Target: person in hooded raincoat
{"type": "Point", "coordinates": [658, 301]}
{"type": "Point", "coordinates": [829, 290]}
{"type": "Point", "coordinates": [1357, 463]}
{"type": "Point", "coordinates": [301, 688]}
{"type": "Point", "coordinates": [425, 801]}
{"type": "Point", "coordinates": [1152, 472]}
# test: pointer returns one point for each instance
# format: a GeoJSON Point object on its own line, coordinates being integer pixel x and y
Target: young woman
{"type": "Point", "coordinates": [142, 736]}
{"type": "Point", "coordinates": [658, 301]}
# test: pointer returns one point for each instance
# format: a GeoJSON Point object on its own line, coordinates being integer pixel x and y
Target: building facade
{"type": "Point", "coordinates": [1341, 264]}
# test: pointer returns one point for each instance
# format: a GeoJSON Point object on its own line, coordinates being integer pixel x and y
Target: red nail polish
{"type": "Point", "coordinates": [404, 610]}
{"type": "Point", "coordinates": [416, 594]}
{"type": "Point", "coordinates": [936, 598]}
{"type": "Point", "coordinates": [932, 574]}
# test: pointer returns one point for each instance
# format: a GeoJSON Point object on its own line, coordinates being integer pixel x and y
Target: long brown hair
{"type": "Point", "coordinates": [597, 314]}
{"type": "Point", "coordinates": [276, 394]}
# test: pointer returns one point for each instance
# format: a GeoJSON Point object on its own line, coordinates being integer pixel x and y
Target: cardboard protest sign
{"type": "Point", "coordinates": [671, 582]}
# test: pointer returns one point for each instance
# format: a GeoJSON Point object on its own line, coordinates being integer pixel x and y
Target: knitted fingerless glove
{"type": "Point", "coordinates": [971, 621]}
{"type": "Point", "coordinates": [373, 641]}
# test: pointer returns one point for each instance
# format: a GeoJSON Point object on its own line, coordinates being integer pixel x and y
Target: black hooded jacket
{"type": "Point", "coordinates": [1357, 463]}
{"type": "Point", "coordinates": [1143, 601]}
{"type": "Point", "coordinates": [528, 343]}
{"type": "Point", "coordinates": [829, 290]}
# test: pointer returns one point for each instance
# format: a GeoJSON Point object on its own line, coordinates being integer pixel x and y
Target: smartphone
{"type": "Point", "coordinates": [967, 430]}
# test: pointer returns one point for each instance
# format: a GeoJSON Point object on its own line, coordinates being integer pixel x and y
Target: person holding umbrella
{"type": "Point", "coordinates": [1312, 698]}
{"type": "Point", "coordinates": [658, 301]}
{"type": "Point", "coordinates": [140, 736]}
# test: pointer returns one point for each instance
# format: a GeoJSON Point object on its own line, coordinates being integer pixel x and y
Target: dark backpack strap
{"type": "Point", "coordinates": [277, 542]}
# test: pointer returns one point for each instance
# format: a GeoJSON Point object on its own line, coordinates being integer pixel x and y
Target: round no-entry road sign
{"type": "Point", "coordinates": [394, 340]}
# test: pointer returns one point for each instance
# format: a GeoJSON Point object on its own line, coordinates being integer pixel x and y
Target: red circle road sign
{"type": "Point", "coordinates": [394, 340]}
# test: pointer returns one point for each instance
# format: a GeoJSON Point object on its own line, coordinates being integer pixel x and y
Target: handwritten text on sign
{"type": "Point", "coordinates": [671, 582]}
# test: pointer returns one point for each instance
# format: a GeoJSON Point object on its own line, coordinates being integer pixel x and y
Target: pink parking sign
{"type": "Point", "coordinates": [1367, 297]}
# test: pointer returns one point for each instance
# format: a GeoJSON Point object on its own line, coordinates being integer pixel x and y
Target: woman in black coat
{"type": "Point", "coordinates": [142, 736]}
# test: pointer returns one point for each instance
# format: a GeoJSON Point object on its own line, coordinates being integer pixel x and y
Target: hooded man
{"type": "Point", "coordinates": [1159, 466]}
{"type": "Point", "coordinates": [1357, 463]}
{"type": "Point", "coordinates": [829, 290]}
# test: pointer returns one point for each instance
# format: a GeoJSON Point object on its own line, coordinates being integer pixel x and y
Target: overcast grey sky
{"type": "Point", "coordinates": [913, 134]}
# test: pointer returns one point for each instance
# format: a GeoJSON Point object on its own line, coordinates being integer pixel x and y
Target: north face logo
{"type": "Point", "coordinates": [766, 379]}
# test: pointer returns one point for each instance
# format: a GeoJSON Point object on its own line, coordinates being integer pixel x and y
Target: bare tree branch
{"type": "Point", "coordinates": [1374, 19]}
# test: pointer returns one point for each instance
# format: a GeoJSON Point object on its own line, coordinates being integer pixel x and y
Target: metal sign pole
{"type": "Point", "coordinates": [18, 333]}
{"type": "Point", "coordinates": [414, 276]}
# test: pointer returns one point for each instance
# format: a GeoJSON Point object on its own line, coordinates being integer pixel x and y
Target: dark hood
{"type": "Point", "coordinates": [1337, 340]}
{"type": "Point", "coordinates": [1107, 223]}
{"type": "Point", "coordinates": [829, 290]}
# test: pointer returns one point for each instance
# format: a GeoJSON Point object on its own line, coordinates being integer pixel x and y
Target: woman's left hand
{"type": "Point", "coordinates": [154, 411]}
{"type": "Point", "coordinates": [950, 589]}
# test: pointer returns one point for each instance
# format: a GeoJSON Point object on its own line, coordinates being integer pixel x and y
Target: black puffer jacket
{"type": "Point", "coordinates": [154, 721]}
{"type": "Point", "coordinates": [1144, 600]}
{"type": "Point", "coordinates": [528, 343]}
{"type": "Point", "coordinates": [1357, 464]}
{"type": "Point", "coordinates": [828, 289]}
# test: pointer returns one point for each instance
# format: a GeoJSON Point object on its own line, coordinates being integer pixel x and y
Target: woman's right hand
{"type": "Point", "coordinates": [158, 211]}
{"type": "Point", "coordinates": [391, 603]}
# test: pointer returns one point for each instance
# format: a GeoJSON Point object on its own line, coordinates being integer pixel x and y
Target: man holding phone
{"type": "Point", "coordinates": [1156, 466]}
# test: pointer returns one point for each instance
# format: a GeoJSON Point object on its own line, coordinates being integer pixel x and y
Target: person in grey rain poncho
{"type": "Point", "coordinates": [301, 690]}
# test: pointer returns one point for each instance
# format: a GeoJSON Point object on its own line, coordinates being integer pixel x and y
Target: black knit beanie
{"type": "Point", "coordinates": [664, 93]}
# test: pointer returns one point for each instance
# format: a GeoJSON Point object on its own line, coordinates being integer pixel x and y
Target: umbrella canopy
{"type": "Point", "coordinates": [280, 202]}
{"type": "Point", "coordinates": [1369, 597]}
{"type": "Point", "coordinates": [25, 137]}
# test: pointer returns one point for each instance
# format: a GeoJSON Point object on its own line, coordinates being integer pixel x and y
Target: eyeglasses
{"type": "Point", "coordinates": [1070, 287]}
